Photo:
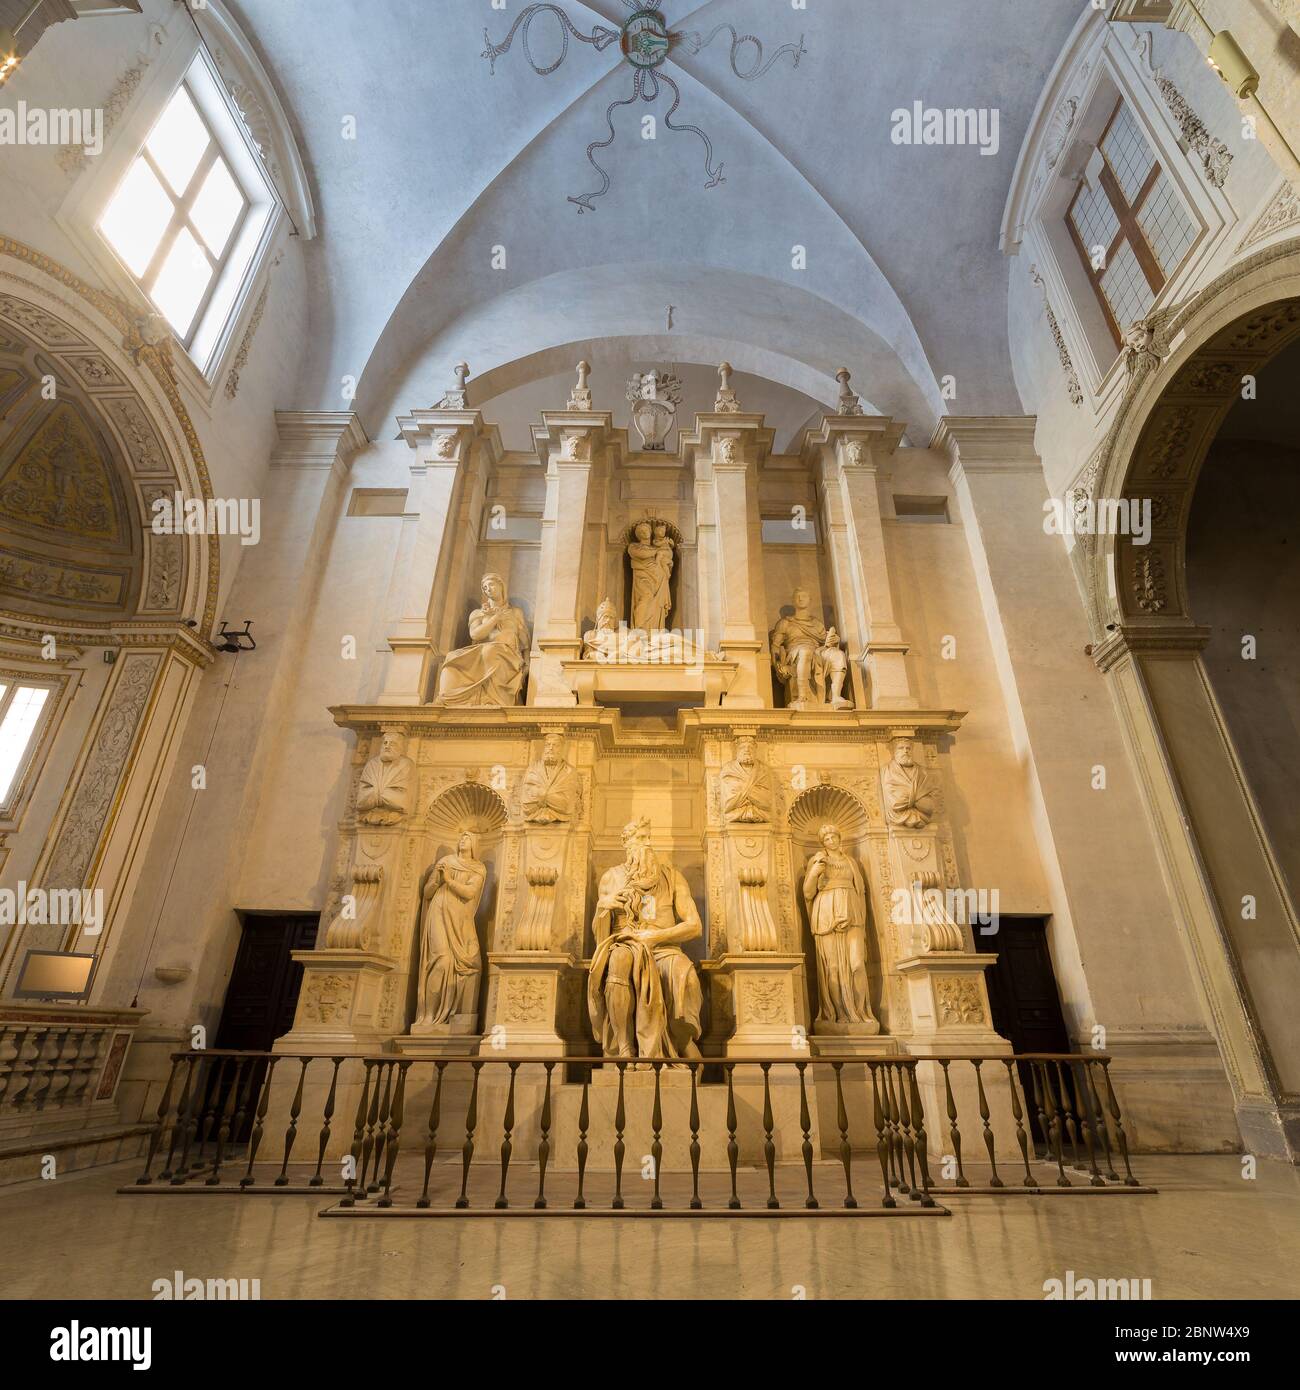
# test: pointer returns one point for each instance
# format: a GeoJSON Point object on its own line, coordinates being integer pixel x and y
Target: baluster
{"type": "Point", "coordinates": [9, 1038]}
{"type": "Point", "coordinates": [508, 1124]}
{"type": "Point", "coordinates": [769, 1148]}
{"type": "Point", "coordinates": [245, 1097]}
{"type": "Point", "coordinates": [377, 1103]}
{"type": "Point", "coordinates": [1040, 1111]}
{"type": "Point", "coordinates": [696, 1204]}
{"type": "Point", "coordinates": [467, 1151]}
{"type": "Point", "coordinates": [953, 1132]}
{"type": "Point", "coordinates": [381, 1125]}
{"type": "Point", "coordinates": [733, 1149]}
{"type": "Point", "coordinates": [182, 1111]}
{"type": "Point", "coordinates": [223, 1130]}
{"type": "Point", "coordinates": [656, 1148]}
{"type": "Point", "coordinates": [155, 1136]}
{"type": "Point", "coordinates": [316, 1180]}
{"type": "Point", "coordinates": [259, 1121]}
{"type": "Point", "coordinates": [922, 1142]}
{"type": "Point", "coordinates": [544, 1147]}
{"type": "Point", "coordinates": [358, 1130]}
{"type": "Point", "coordinates": [1099, 1118]}
{"type": "Point", "coordinates": [1067, 1111]}
{"type": "Point", "coordinates": [805, 1124]}
{"type": "Point", "coordinates": [620, 1119]}
{"type": "Point", "coordinates": [1083, 1111]}
{"type": "Point", "coordinates": [1019, 1115]}
{"type": "Point", "coordinates": [846, 1149]}
{"type": "Point", "coordinates": [208, 1112]}
{"type": "Point", "coordinates": [192, 1121]}
{"type": "Point", "coordinates": [431, 1143]}
{"type": "Point", "coordinates": [27, 1066]}
{"type": "Point", "coordinates": [1053, 1125]}
{"type": "Point", "coordinates": [290, 1134]}
{"type": "Point", "coordinates": [584, 1119]}
{"type": "Point", "coordinates": [893, 1116]}
{"type": "Point", "coordinates": [905, 1121]}
{"type": "Point", "coordinates": [1121, 1139]}
{"type": "Point", "coordinates": [395, 1135]}
{"type": "Point", "coordinates": [882, 1143]}
{"type": "Point", "coordinates": [994, 1181]}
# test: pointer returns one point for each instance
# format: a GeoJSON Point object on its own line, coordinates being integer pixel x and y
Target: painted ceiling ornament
{"type": "Point", "coordinates": [646, 41]}
{"type": "Point", "coordinates": [654, 397]}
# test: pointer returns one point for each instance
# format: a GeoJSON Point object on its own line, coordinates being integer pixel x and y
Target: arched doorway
{"type": "Point", "coordinates": [1221, 866]}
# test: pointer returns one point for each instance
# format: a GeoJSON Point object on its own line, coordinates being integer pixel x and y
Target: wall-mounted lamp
{"type": "Point", "coordinates": [1227, 59]}
{"type": "Point", "coordinates": [227, 641]}
{"type": "Point", "coordinates": [9, 55]}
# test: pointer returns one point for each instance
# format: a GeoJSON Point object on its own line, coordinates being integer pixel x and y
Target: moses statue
{"type": "Point", "coordinates": [837, 917]}
{"type": "Point", "coordinates": [643, 994]}
{"type": "Point", "coordinates": [450, 960]}
{"type": "Point", "coordinates": [490, 671]}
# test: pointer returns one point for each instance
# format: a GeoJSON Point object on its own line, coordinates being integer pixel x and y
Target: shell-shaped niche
{"type": "Point", "coordinates": [468, 806]}
{"type": "Point", "coordinates": [825, 805]}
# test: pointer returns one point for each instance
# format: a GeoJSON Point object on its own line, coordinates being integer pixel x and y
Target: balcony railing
{"type": "Point", "coordinates": [492, 1134]}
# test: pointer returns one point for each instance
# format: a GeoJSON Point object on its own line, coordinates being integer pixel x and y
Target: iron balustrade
{"type": "Point", "coordinates": [463, 1153]}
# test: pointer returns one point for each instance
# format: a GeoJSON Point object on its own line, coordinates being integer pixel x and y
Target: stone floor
{"type": "Point", "coordinates": [1209, 1233]}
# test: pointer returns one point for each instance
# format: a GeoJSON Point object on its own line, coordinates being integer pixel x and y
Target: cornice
{"type": "Point", "coordinates": [316, 438]}
{"type": "Point", "coordinates": [1157, 641]}
{"type": "Point", "coordinates": [988, 443]}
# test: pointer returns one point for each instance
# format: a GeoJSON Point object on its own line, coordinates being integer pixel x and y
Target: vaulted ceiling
{"type": "Point", "coordinates": [904, 282]}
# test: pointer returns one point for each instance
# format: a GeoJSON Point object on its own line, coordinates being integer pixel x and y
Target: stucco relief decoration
{"type": "Point", "coordinates": [72, 159]}
{"type": "Point", "coordinates": [1072, 386]}
{"type": "Point", "coordinates": [959, 1001]}
{"type": "Point", "coordinates": [1214, 157]}
{"type": "Point", "coordinates": [246, 343]}
{"type": "Point", "coordinates": [1149, 583]}
{"type": "Point", "coordinates": [1059, 131]}
{"type": "Point", "coordinates": [143, 450]}
{"type": "Point", "coordinates": [1280, 212]}
{"type": "Point", "coordinates": [75, 847]}
{"type": "Point", "coordinates": [327, 998]}
{"type": "Point", "coordinates": [1172, 439]}
{"type": "Point", "coordinates": [646, 42]}
{"type": "Point", "coordinates": [59, 480]}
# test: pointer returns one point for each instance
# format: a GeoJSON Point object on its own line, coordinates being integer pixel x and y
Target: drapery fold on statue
{"type": "Point", "coordinates": [652, 1036]}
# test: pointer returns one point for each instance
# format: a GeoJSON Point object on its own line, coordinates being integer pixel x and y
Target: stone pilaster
{"type": "Point", "coordinates": [849, 456]}
{"type": "Point", "coordinates": [728, 451]}
{"type": "Point", "coordinates": [574, 445]}
{"type": "Point", "coordinates": [439, 538]}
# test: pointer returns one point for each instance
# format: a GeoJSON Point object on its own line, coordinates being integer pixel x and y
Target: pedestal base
{"type": "Point", "coordinates": [436, 1045]}
{"type": "Point", "coordinates": [769, 1002]}
{"type": "Point", "coordinates": [338, 1005]}
{"type": "Point", "coordinates": [534, 1003]}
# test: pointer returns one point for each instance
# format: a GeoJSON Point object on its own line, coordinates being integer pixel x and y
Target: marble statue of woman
{"type": "Point", "coordinates": [837, 915]}
{"type": "Point", "coordinates": [652, 567]}
{"type": "Point", "coordinates": [450, 961]}
{"type": "Point", "coordinates": [490, 671]}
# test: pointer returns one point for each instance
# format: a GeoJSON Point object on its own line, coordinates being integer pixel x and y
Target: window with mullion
{"type": "Point", "coordinates": [176, 217]}
{"type": "Point", "coordinates": [1134, 213]}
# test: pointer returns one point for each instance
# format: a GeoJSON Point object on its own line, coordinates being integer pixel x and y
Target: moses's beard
{"type": "Point", "coordinates": [641, 865]}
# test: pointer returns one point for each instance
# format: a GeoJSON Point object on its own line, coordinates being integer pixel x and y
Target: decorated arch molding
{"type": "Point", "coordinates": [127, 395]}
{"type": "Point", "coordinates": [1185, 374]}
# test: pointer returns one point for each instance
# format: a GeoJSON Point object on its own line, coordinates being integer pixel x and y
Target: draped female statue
{"type": "Point", "coordinates": [450, 961]}
{"type": "Point", "coordinates": [837, 916]}
{"type": "Point", "coordinates": [490, 671]}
